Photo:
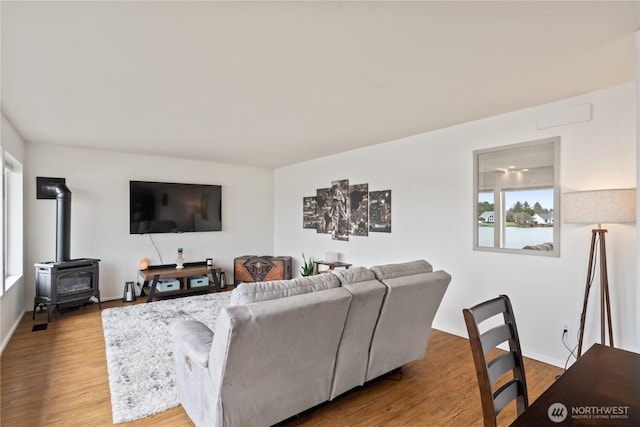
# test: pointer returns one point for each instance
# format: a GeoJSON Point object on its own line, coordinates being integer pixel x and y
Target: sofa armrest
{"type": "Point", "coordinates": [194, 338]}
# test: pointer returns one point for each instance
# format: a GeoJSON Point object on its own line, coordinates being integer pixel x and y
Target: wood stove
{"type": "Point", "coordinates": [65, 282]}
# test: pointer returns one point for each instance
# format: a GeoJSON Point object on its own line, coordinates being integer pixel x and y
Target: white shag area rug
{"type": "Point", "coordinates": [140, 353]}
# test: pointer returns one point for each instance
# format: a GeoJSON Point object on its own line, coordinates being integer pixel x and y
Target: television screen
{"type": "Point", "coordinates": [163, 207]}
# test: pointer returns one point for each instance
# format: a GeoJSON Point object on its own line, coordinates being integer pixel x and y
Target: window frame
{"type": "Point", "coordinates": [12, 219]}
{"type": "Point", "coordinates": [499, 199]}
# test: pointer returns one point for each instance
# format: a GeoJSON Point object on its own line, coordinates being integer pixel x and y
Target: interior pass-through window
{"type": "Point", "coordinates": [517, 198]}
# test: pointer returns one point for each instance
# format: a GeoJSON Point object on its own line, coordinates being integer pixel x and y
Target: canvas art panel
{"type": "Point", "coordinates": [309, 216]}
{"type": "Point", "coordinates": [323, 211]}
{"type": "Point", "coordinates": [359, 213]}
{"type": "Point", "coordinates": [380, 211]}
{"type": "Point", "coordinates": [340, 209]}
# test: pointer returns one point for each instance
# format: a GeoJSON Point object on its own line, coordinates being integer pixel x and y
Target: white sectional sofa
{"type": "Point", "coordinates": [282, 347]}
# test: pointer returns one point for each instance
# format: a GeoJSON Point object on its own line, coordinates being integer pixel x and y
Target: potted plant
{"type": "Point", "coordinates": [307, 266]}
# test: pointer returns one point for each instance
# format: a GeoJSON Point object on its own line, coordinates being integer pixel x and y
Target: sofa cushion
{"type": "Point", "coordinates": [246, 293]}
{"type": "Point", "coordinates": [389, 271]}
{"type": "Point", "coordinates": [402, 331]}
{"type": "Point", "coordinates": [274, 359]}
{"type": "Point", "coordinates": [354, 275]}
{"type": "Point", "coordinates": [353, 353]}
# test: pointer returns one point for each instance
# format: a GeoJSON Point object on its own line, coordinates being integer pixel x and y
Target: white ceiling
{"type": "Point", "coordinates": [274, 83]}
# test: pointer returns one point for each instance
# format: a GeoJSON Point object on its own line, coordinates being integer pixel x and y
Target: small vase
{"type": "Point", "coordinates": [179, 259]}
{"type": "Point", "coordinates": [223, 280]}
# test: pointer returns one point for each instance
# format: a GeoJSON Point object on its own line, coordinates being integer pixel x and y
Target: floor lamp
{"type": "Point", "coordinates": [599, 207]}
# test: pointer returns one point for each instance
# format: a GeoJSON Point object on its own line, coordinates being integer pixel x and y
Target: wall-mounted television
{"type": "Point", "coordinates": [165, 207]}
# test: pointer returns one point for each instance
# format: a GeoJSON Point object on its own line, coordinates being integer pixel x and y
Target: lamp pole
{"type": "Point", "coordinates": [597, 245]}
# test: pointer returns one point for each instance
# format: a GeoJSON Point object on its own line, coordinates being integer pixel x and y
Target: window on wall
{"type": "Point", "coordinates": [517, 198]}
{"type": "Point", "coordinates": [11, 221]}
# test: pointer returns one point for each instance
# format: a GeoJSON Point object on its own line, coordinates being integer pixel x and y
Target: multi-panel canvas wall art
{"type": "Point", "coordinates": [345, 210]}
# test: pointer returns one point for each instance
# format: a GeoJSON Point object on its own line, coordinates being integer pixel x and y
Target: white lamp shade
{"type": "Point", "coordinates": [599, 206]}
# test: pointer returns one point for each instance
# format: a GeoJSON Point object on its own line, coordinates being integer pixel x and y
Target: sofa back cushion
{"type": "Point", "coordinates": [273, 359]}
{"type": "Point", "coordinates": [389, 271]}
{"type": "Point", "coordinates": [354, 275]}
{"type": "Point", "coordinates": [246, 293]}
{"type": "Point", "coordinates": [353, 354]}
{"type": "Point", "coordinates": [412, 299]}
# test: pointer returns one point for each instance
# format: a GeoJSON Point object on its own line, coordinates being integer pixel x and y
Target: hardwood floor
{"type": "Point", "coordinates": [58, 377]}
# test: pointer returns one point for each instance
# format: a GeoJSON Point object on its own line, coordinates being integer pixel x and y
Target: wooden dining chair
{"type": "Point", "coordinates": [492, 365]}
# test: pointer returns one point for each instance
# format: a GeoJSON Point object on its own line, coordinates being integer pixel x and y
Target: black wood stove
{"type": "Point", "coordinates": [64, 283]}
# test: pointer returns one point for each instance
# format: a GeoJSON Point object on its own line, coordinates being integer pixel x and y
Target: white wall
{"type": "Point", "coordinates": [99, 183]}
{"type": "Point", "coordinates": [430, 176]}
{"type": "Point", "coordinates": [637, 322]}
{"type": "Point", "coordinates": [11, 302]}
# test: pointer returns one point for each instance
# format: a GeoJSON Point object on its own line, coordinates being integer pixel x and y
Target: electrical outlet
{"type": "Point", "coordinates": [566, 328]}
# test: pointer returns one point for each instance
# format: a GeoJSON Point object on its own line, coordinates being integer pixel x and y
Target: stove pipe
{"type": "Point", "coordinates": [63, 219]}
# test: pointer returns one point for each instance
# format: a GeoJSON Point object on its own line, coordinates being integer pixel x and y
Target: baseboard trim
{"type": "Point", "coordinates": [11, 332]}
{"type": "Point", "coordinates": [456, 332]}
{"type": "Point", "coordinates": [530, 355]}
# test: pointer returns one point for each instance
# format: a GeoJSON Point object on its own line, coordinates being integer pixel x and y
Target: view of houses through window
{"type": "Point", "coordinates": [516, 197]}
{"type": "Point", "coordinates": [528, 218]}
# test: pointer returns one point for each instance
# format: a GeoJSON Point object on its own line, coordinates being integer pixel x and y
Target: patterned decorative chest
{"type": "Point", "coordinates": [252, 268]}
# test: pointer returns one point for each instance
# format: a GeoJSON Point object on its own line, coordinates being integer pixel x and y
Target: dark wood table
{"type": "Point", "coordinates": [154, 273]}
{"type": "Point", "coordinates": [602, 388]}
{"type": "Point", "coordinates": [331, 264]}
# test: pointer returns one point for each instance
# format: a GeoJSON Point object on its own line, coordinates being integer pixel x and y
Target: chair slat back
{"type": "Point", "coordinates": [506, 394]}
{"type": "Point", "coordinates": [495, 336]}
{"type": "Point", "coordinates": [501, 365]}
{"type": "Point", "coordinates": [491, 370]}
